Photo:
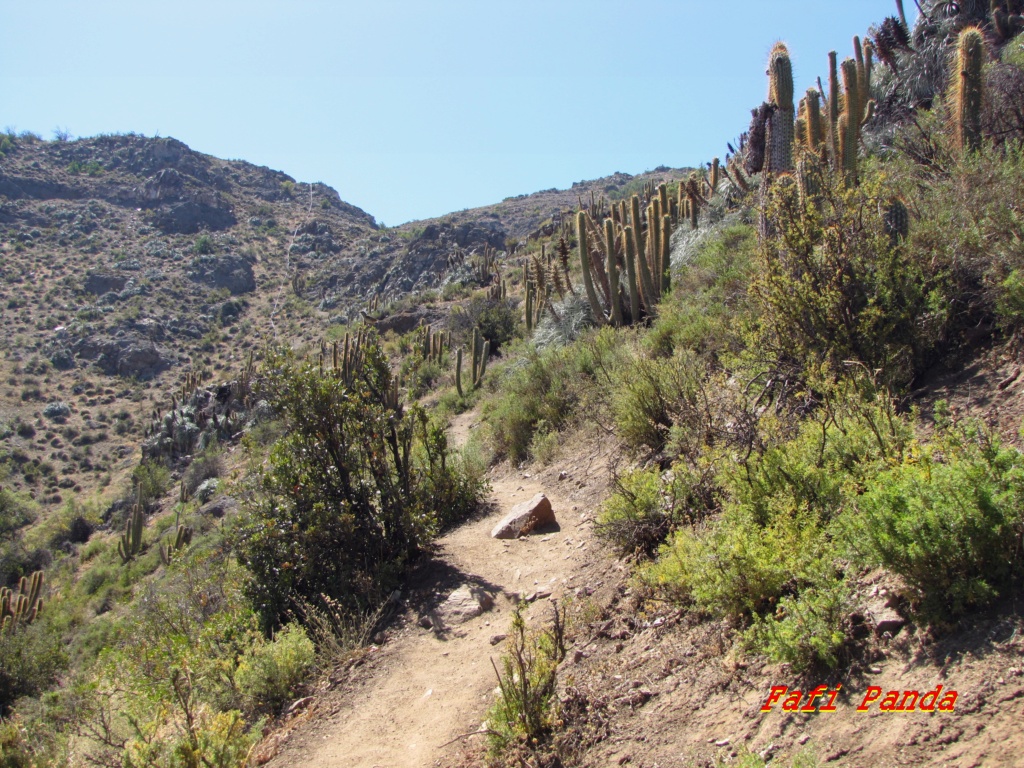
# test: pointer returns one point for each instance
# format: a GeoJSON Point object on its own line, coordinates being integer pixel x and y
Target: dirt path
{"type": "Point", "coordinates": [423, 687]}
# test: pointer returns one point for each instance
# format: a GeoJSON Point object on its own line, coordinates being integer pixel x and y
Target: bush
{"type": "Point", "coordinates": [151, 480]}
{"type": "Point", "coordinates": [806, 630]}
{"type": "Point", "coordinates": [205, 466]}
{"type": "Point", "coordinates": [270, 673]}
{"type": "Point", "coordinates": [949, 520]}
{"type": "Point", "coordinates": [525, 710]}
{"type": "Point", "coordinates": [349, 494]}
{"type": "Point", "coordinates": [31, 656]}
{"type": "Point", "coordinates": [834, 287]}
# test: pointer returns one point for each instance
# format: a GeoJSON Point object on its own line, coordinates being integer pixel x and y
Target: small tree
{"type": "Point", "coordinates": [352, 490]}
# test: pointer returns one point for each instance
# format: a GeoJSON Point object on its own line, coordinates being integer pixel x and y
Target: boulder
{"type": "Point", "coordinates": [885, 617]}
{"type": "Point", "coordinates": [99, 283]}
{"type": "Point", "coordinates": [525, 517]}
{"type": "Point", "coordinates": [230, 271]}
{"type": "Point", "coordinates": [465, 603]}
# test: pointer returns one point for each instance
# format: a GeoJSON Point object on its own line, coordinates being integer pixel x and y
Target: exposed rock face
{"type": "Point", "coordinates": [525, 517]}
{"type": "Point", "coordinates": [129, 355]}
{"type": "Point", "coordinates": [230, 271]}
{"type": "Point", "coordinates": [403, 322]}
{"type": "Point", "coordinates": [99, 283]}
{"type": "Point", "coordinates": [189, 216]}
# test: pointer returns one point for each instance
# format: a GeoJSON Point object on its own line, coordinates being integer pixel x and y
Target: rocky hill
{"type": "Point", "coordinates": [132, 262]}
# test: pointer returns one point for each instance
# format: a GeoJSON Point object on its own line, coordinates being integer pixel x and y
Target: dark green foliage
{"type": "Point", "coordinates": [30, 657]}
{"type": "Point", "coordinates": [349, 494]}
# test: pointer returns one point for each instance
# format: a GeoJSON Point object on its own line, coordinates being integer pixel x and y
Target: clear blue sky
{"type": "Point", "coordinates": [412, 109]}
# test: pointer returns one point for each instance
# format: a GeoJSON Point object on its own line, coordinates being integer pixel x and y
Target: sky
{"type": "Point", "coordinates": [415, 108]}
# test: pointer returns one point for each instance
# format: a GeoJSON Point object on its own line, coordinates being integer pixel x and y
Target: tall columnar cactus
{"type": "Point", "coordinates": [967, 89]}
{"type": "Point", "coordinates": [612, 267]}
{"type": "Point", "coordinates": [629, 249]}
{"type": "Point", "coordinates": [713, 176]}
{"type": "Point", "coordinates": [849, 121]}
{"type": "Point", "coordinates": [781, 123]}
{"type": "Point", "coordinates": [815, 128]}
{"type": "Point", "coordinates": [131, 540]}
{"type": "Point", "coordinates": [666, 255]}
{"type": "Point", "coordinates": [588, 280]}
{"type": "Point", "coordinates": [896, 221]}
{"type": "Point", "coordinates": [481, 351]}
{"type": "Point", "coordinates": [833, 109]}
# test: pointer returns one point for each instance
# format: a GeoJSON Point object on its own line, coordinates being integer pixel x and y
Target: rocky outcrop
{"type": "Point", "coordinates": [99, 283]}
{"type": "Point", "coordinates": [525, 517]}
{"type": "Point", "coordinates": [231, 271]}
{"type": "Point", "coordinates": [127, 355]}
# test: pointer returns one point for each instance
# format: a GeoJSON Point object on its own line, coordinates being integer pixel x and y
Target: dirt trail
{"type": "Point", "coordinates": [424, 687]}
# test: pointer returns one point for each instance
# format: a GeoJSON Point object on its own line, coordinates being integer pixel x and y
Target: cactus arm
{"type": "Point", "coordinates": [612, 268]}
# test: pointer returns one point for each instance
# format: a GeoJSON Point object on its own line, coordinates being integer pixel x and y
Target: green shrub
{"type": "Point", "coordinates": [833, 286]}
{"type": "Point", "coordinates": [351, 491]}
{"type": "Point", "coordinates": [949, 520]}
{"type": "Point", "coordinates": [270, 673]}
{"type": "Point", "coordinates": [31, 656]}
{"type": "Point", "coordinates": [151, 480]}
{"type": "Point", "coordinates": [637, 517]}
{"type": "Point", "coordinates": [526, 707]}
{"type": "Point", "coordinates": [806, 630]}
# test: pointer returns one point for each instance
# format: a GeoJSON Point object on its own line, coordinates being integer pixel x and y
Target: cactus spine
{"type": "Point", "coordinates": [967, 89]}
{"type": "Point", "coordinates": [666, 255]}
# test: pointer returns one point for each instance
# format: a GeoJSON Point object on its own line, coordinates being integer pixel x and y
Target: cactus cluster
{"type": "Point", "coordinates": [23, 606]}
{"type": "Point", "coordinates": [1007, 18]}
{"type": "Point", "coordinates": [346, 358]}
{"type": "Point", "coordinates": [182, 538]}
{"type": "Point", "coordinates": [481, 351]}
{"type": "Point", "coordinates": [432, 344]}
{"type": "Point", "coordinates": [131, 540]}
{"type": "Point", "coordinates": [626, 259]}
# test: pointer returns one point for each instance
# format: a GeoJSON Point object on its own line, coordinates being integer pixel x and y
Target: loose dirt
{"type": "Point", "coordinates": [423, 687]}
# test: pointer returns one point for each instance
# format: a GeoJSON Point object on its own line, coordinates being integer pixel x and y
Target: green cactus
{"type": "Point", "coordinates": [815, 129]}
{"type": "Point", "coordinates": [713, 177]}
{"type": "Point", "coordinates": [666, 255]}
{"type": "Point", "coordinates": [833, 109]}
{"type": "Point", "coordinates": [182, 538]}
{"type": "Point", "coordinates": [629, 248]}
{"type": "Point", "coordinates": [896, 221]}
{"type": "Point", "coordinates": [588, 280]}
{"type": "Point", "coordinates": [781, 124]}
{"type": "Point", "coordinates": [131, 540]}
{"type": "Point", "coordinates": [967, 89]}
{"type": "Point", "coordinates": [612, 268]}
{"type": "Point", "coordinates": [458, 372]}
{"type": "Point", "coordinates": [481, 351]}
{"type": "Point", "coordinates": [23, 606]}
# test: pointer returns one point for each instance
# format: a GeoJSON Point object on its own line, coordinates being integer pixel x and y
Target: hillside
{"type": "Point", "coordinates": [130, 263]}
{"type": "Point", "coordinates": [709, 467]}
